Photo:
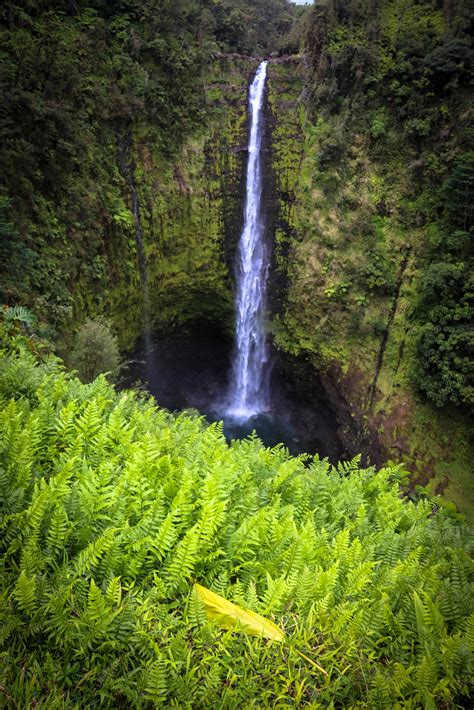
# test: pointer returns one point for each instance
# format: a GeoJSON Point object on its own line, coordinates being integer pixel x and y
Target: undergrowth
{"type": "Point", "coordinates": [112, 508]}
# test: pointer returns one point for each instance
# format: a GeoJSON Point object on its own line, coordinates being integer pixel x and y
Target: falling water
{"type": "Point", "coordinates": [249, 384]}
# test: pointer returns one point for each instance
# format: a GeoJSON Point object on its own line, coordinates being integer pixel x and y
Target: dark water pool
{"type": "Point", "coordinates": [189, 368]}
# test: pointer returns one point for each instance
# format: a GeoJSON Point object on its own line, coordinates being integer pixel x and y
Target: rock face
{"type": "Point", "coordinates": [141, 215]}
{"type": "Point", "coordinates": [191, 213]}
{"type": "Point", "coordinates": [344, 282]}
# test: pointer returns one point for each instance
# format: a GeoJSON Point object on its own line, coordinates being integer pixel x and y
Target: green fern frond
{"type": "Point", "coordinates": [90, 555]}
{"type": "Point", "coordinates": [20, 313]}
{"type": "Point", "coordinates": [25, 593]}
{"type": "Point", "coordinates": [156, 685]}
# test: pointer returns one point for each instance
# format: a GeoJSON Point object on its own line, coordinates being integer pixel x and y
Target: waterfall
{"type": "Point", "coordinates": [249, 394]}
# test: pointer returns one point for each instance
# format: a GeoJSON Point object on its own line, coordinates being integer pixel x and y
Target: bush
{"type": "Point", "coordinates": [451, 57]}
{"type": "Point", "coordinates": [95, 351]}
{"type": "Point", "coordinates": [111, 509]}
{"type": "Point", "coordinates": [444, 368]}
{"type": "Point", "coordinates": [378, 126]}
{"type": "Point", "coordinates": [459, 192]}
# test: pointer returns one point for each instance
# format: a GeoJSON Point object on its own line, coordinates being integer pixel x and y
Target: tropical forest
{"type": "Point", "coordinates": [236, 354]}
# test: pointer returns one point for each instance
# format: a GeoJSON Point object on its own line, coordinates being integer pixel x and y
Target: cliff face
{"type": "Point", "coordinates": [123, 137]}
{"type": "Point", "coordinates": [136, 232]}
{"type": "Point", "coordinates": [190, 213]}
{"type": "Point", "coordinates": [348, 267]}
{"type": "Point", "coordinates": [106, 219]}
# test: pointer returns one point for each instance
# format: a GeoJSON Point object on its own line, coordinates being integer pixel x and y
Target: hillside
{"type": "Point", "coordinates": [134, 136]}
{"type": "Point", "coordinates": [375, 185]}
{"type": "Point", "coordinates": [111, 509]}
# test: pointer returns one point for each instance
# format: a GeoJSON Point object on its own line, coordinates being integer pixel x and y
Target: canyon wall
{"type": "Point", "coordinates": [347, 273]}
{"type": "Point", "coordinates": [349, 254]}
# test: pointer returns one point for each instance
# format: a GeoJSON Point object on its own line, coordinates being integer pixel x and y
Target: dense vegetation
{"type": "Point", "coordinates": [89, 90]}
{"type": "Point", "coordinates": [397, 75]}
{"type": "Point", "coordinates": [374, 232]}
{"type": "Point", "coordinates": [121, 158]}
{"type": "Point", "coordinates": [123, 126]}
{"type": "Point", "coordinates": [110, 509]}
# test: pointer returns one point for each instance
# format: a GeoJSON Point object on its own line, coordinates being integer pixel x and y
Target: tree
{"type": "Point", "coordinates": [96, 351]}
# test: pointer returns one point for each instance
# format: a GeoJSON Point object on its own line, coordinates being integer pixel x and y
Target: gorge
{"type": "Point", "coordinates": [343, 197]}
{"type": "Point", "coordinates": [353, 178]}
{"type": "Point", "coordinates": [196, 368]}
{"type": "Point", "coordinates": [236, 354]}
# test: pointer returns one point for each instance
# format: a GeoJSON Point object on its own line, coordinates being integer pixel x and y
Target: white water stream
{"type": "Point", "coordinates": [249, 395]}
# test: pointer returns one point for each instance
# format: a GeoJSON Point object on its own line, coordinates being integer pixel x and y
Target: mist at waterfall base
{"type": "Point", "coordinates": [189, 369]}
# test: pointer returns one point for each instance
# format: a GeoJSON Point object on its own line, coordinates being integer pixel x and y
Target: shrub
{"type": "Point", "coordinates": [444, 368]}
{"type": "Point", "coordinates": [459, 192]}
{"type": "Point", "coordinates": [451, 57]}
{"type": "Point", "coordinates": [110, 511]}
{"type": "Point", "coordinates": [378, 126]}
{"type": "Point", "coordinates": [95, 351]}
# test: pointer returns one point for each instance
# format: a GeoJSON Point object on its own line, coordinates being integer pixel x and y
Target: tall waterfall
{"type": "Point", "coordinates": [249, 384]}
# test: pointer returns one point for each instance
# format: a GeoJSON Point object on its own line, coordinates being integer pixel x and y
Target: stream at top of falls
{"type": "Point", "coordinates": [198, 368]}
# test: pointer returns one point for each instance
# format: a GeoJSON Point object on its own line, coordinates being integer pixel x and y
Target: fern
{"type": "Point", "coordinates": [89, 556]}
{"type": "Point", "coordinates": [114, 592]}
{"type": "Point", "coordinates": [111, 509]}
{"type": "Point", "coordinates": [25, 593]}
{"type": "Point", "coordinates": [58, 531]}
{"type": "Point", "coordinates": [20, 313]}
{"type": "Point", "coordinates": [156, 686]}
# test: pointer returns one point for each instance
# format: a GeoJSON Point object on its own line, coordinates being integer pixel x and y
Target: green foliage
{"type": "Point", "coordinates": [18, 313]}
{"type": "Point", "coordinates": [392, 78]}
{"type": "Point", "coordinates": [111, 509]}
{"type": "Point", "coordinates": [15, 253]}
{"type": "Point", "coordinates": [377, 274]}
{"type": "Point", "coordinates": [459, 192]}
{"type": "Point", "coordinates": [256, 27]}
{"type": "Point", "coordinates": [388, 49]}
{"type": "Point", "coordinates": [445, 366]}
{"type": "Point", "coordinates": [99, 101]}
{"type": "Point", "coordinates": [378, 127]}
{"type": "Point", "coordinates": [73, 79]}
{"type": "Point", "coordinates": [95, 351]}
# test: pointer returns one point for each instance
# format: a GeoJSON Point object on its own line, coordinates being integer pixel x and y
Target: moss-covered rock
{"type": "Point", "coordinates": [350, 254]}
{"type": "Point", "coordinates": [190, 213]}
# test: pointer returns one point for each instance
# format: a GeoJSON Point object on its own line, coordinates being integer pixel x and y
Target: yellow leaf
{"type": "Point", "coordinates": [231, 616]}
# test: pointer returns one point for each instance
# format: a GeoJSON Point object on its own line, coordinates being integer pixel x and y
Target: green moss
{"type": "Point", "coordinates": [348, 209]}
{"type": "Point", "coordinates": [189, 205]}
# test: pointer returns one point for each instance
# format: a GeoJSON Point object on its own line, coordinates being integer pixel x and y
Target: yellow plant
{"type": "Point", "coordinates": [231, 616]}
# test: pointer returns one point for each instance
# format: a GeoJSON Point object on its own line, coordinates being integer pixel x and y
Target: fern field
{"type": "Point", "coordinates": [111, 509]}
